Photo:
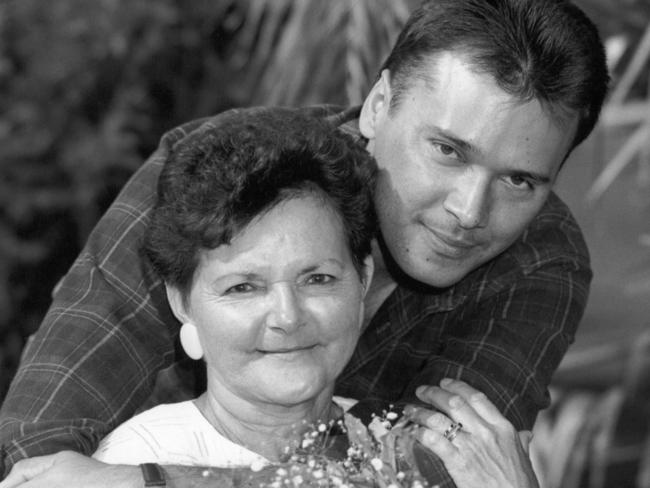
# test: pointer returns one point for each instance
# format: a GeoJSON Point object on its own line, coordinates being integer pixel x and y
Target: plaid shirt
{"type": "Point", "coordinates": [109, 332]}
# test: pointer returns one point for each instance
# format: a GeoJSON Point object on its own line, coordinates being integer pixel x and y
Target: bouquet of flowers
{"type": "Point", "coordinates": [347, 454]}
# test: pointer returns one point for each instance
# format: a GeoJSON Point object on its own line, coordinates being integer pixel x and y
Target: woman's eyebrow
{"type": "Point", "coordinates": [315, 267]}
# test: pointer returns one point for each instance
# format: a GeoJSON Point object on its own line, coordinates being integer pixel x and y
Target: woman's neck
{"type": "Point", "coordinates": [268, 429]}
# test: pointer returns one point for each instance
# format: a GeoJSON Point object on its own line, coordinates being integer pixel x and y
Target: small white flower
{"type": "Point", "coordinates": [281, 472]}
{"type": "Point", "coordinates": [377, 464]}
{"type": "Point", "coordinates": [391, 415]}
{"type": "Point", "coordinates": [257, 465]}
{"type": "Point", "coordinates": [297, 480]}
{"type": "Point", "coordinates": [318, 474]}
{"type": "Point", "coordinates": [322, 428]}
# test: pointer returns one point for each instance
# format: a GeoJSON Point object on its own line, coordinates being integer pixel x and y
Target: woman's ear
{"type": "Point", "coordinates": [366, 279]}
{"type": "Point", "coordinates": [375, 106]}
{"type": "Point", "coordinates": [177, 303]}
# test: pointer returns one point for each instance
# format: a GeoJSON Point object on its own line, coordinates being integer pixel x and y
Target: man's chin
{"type": "Point", "coordinates": [424, 267]}
{"type": "Point", "coordinates": [436, 276]}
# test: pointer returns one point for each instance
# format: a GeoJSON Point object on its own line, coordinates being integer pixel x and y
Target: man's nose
{"type": "Point", "coordinates": [469, 200]}
{"type": "Point", "coordinates": [285, 308]}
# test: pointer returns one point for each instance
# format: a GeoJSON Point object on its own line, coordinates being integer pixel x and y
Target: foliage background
{"type": "Point", "coordinates": [88, 88]}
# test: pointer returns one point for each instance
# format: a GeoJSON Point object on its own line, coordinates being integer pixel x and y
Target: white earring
{"type": "Point", "coordinates": [189, 335]}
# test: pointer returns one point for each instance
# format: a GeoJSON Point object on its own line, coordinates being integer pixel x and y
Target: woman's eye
{"type": "Point", "coordinates": [319, 279]}
{"type": "Point", "coordinates": [240, 288]}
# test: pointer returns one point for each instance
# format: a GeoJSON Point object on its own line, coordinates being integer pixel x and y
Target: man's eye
{"type": "Point", "coordinates": [520, 182]}
{"type": "Point", "coordinates": [446, 150]}
{"type": "Point", "coordinates": [240, 288]}
{"type": "Point", "coordinates": [320, 279]}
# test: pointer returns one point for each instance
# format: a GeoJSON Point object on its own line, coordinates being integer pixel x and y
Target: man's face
{"type": "Point", "coordinates": [463, 168]}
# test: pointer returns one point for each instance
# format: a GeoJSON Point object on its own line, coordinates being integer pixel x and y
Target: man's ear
{"type": "Point", "coordinates": [375, 106]}
{"type": "Point", "coordinates": [367, 273]}
{"type": "Point", "coordinates": [177, 303]}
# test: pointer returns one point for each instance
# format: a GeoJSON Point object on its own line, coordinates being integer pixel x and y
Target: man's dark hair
{"type": "Point", "coordinates": [220, 177]}
{"type": "Point", "coordinates": [534, 49]}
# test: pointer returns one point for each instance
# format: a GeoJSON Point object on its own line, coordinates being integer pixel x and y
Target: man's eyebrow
{"type": "Point", "coordinates": [458, 142]}
{"type": "Point", "coordinates": [531, 175]}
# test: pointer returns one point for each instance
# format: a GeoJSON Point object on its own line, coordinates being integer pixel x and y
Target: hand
{"type": "Point", "coordinates": [487, 451]}
{"type": "Point", "coordinates": [68, 469]}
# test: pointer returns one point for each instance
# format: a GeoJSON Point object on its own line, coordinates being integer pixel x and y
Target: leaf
{"type": "Point", "coordinates": [358, 433]}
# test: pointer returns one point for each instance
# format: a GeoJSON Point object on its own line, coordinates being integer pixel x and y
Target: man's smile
{"type": "Point", "coordinates": [448, 246]}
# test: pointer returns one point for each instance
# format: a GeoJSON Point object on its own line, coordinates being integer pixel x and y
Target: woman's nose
{"type": "Point", "coordinates": [469, 200]}
{"type": "Point", "coordinates": [285, 309]}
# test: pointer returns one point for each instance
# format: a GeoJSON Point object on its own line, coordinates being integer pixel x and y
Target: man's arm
{"type": "Point", "coordinates": [109, 330]}
{"type": "Point", "coordinates": [93, 360]}
{"type": "Point", "coordinates": [511, 346]}
{"type": "Point", "coordinates": [72, 470]}
{"type": "Point", "coordinates": [509, 342]}
{"type": "Point", "coordinates": [515, 318]}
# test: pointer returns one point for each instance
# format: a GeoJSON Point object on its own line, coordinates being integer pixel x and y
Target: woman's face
{"type": "Point", "coordinates": [278, 310]}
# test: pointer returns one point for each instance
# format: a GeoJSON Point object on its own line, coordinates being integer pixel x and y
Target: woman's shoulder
{"type": "Point", "coordinates": [175, 433]}
{"type": "Point", "coordinates": [146, 436]}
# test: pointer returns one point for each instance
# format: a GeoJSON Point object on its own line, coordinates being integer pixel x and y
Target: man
{"type": "Point", "coordinates": [482, 273]}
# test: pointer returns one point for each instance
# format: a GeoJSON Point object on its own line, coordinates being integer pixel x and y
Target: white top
{"type": "Point", "coordinates": [178, 434]}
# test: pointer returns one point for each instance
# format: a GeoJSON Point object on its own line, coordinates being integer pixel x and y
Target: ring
{"type": "Point", "coordinates": [452, 431]}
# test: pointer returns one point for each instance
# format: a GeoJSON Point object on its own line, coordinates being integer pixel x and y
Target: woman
{"type": "Point", "coordinates": [262, 234]}
{"type": "Point", "coordinates": [266, 262]}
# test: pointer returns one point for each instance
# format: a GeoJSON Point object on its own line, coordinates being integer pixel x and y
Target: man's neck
{"type": "Point", "coordinates": [381, 287]}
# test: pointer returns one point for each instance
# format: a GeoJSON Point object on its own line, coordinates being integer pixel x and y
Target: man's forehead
{"type": "Point", "coordinates": [439, 71]}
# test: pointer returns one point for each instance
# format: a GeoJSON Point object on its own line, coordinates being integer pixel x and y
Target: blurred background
{"type": "Point", "coordinates": [88, 88]}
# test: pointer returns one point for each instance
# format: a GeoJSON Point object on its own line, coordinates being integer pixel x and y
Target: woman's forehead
{"type": "Point", "coordinates": [300, 233]}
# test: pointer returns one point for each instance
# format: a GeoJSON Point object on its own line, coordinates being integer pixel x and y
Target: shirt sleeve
{"type": "Point", "coordinates": [505, 343]}
{"type": "Point", "coordinates": [511, 344]}
{"type": "Point", "coordinates": [519, 316]}
{"type": "Point", "coordinates": [109, 330]}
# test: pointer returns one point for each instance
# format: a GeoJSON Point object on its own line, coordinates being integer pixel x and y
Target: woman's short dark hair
{"type": "Point", "coordinates": [220, 177]}
{"type": "Point", "coordinates": [547, 50]}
